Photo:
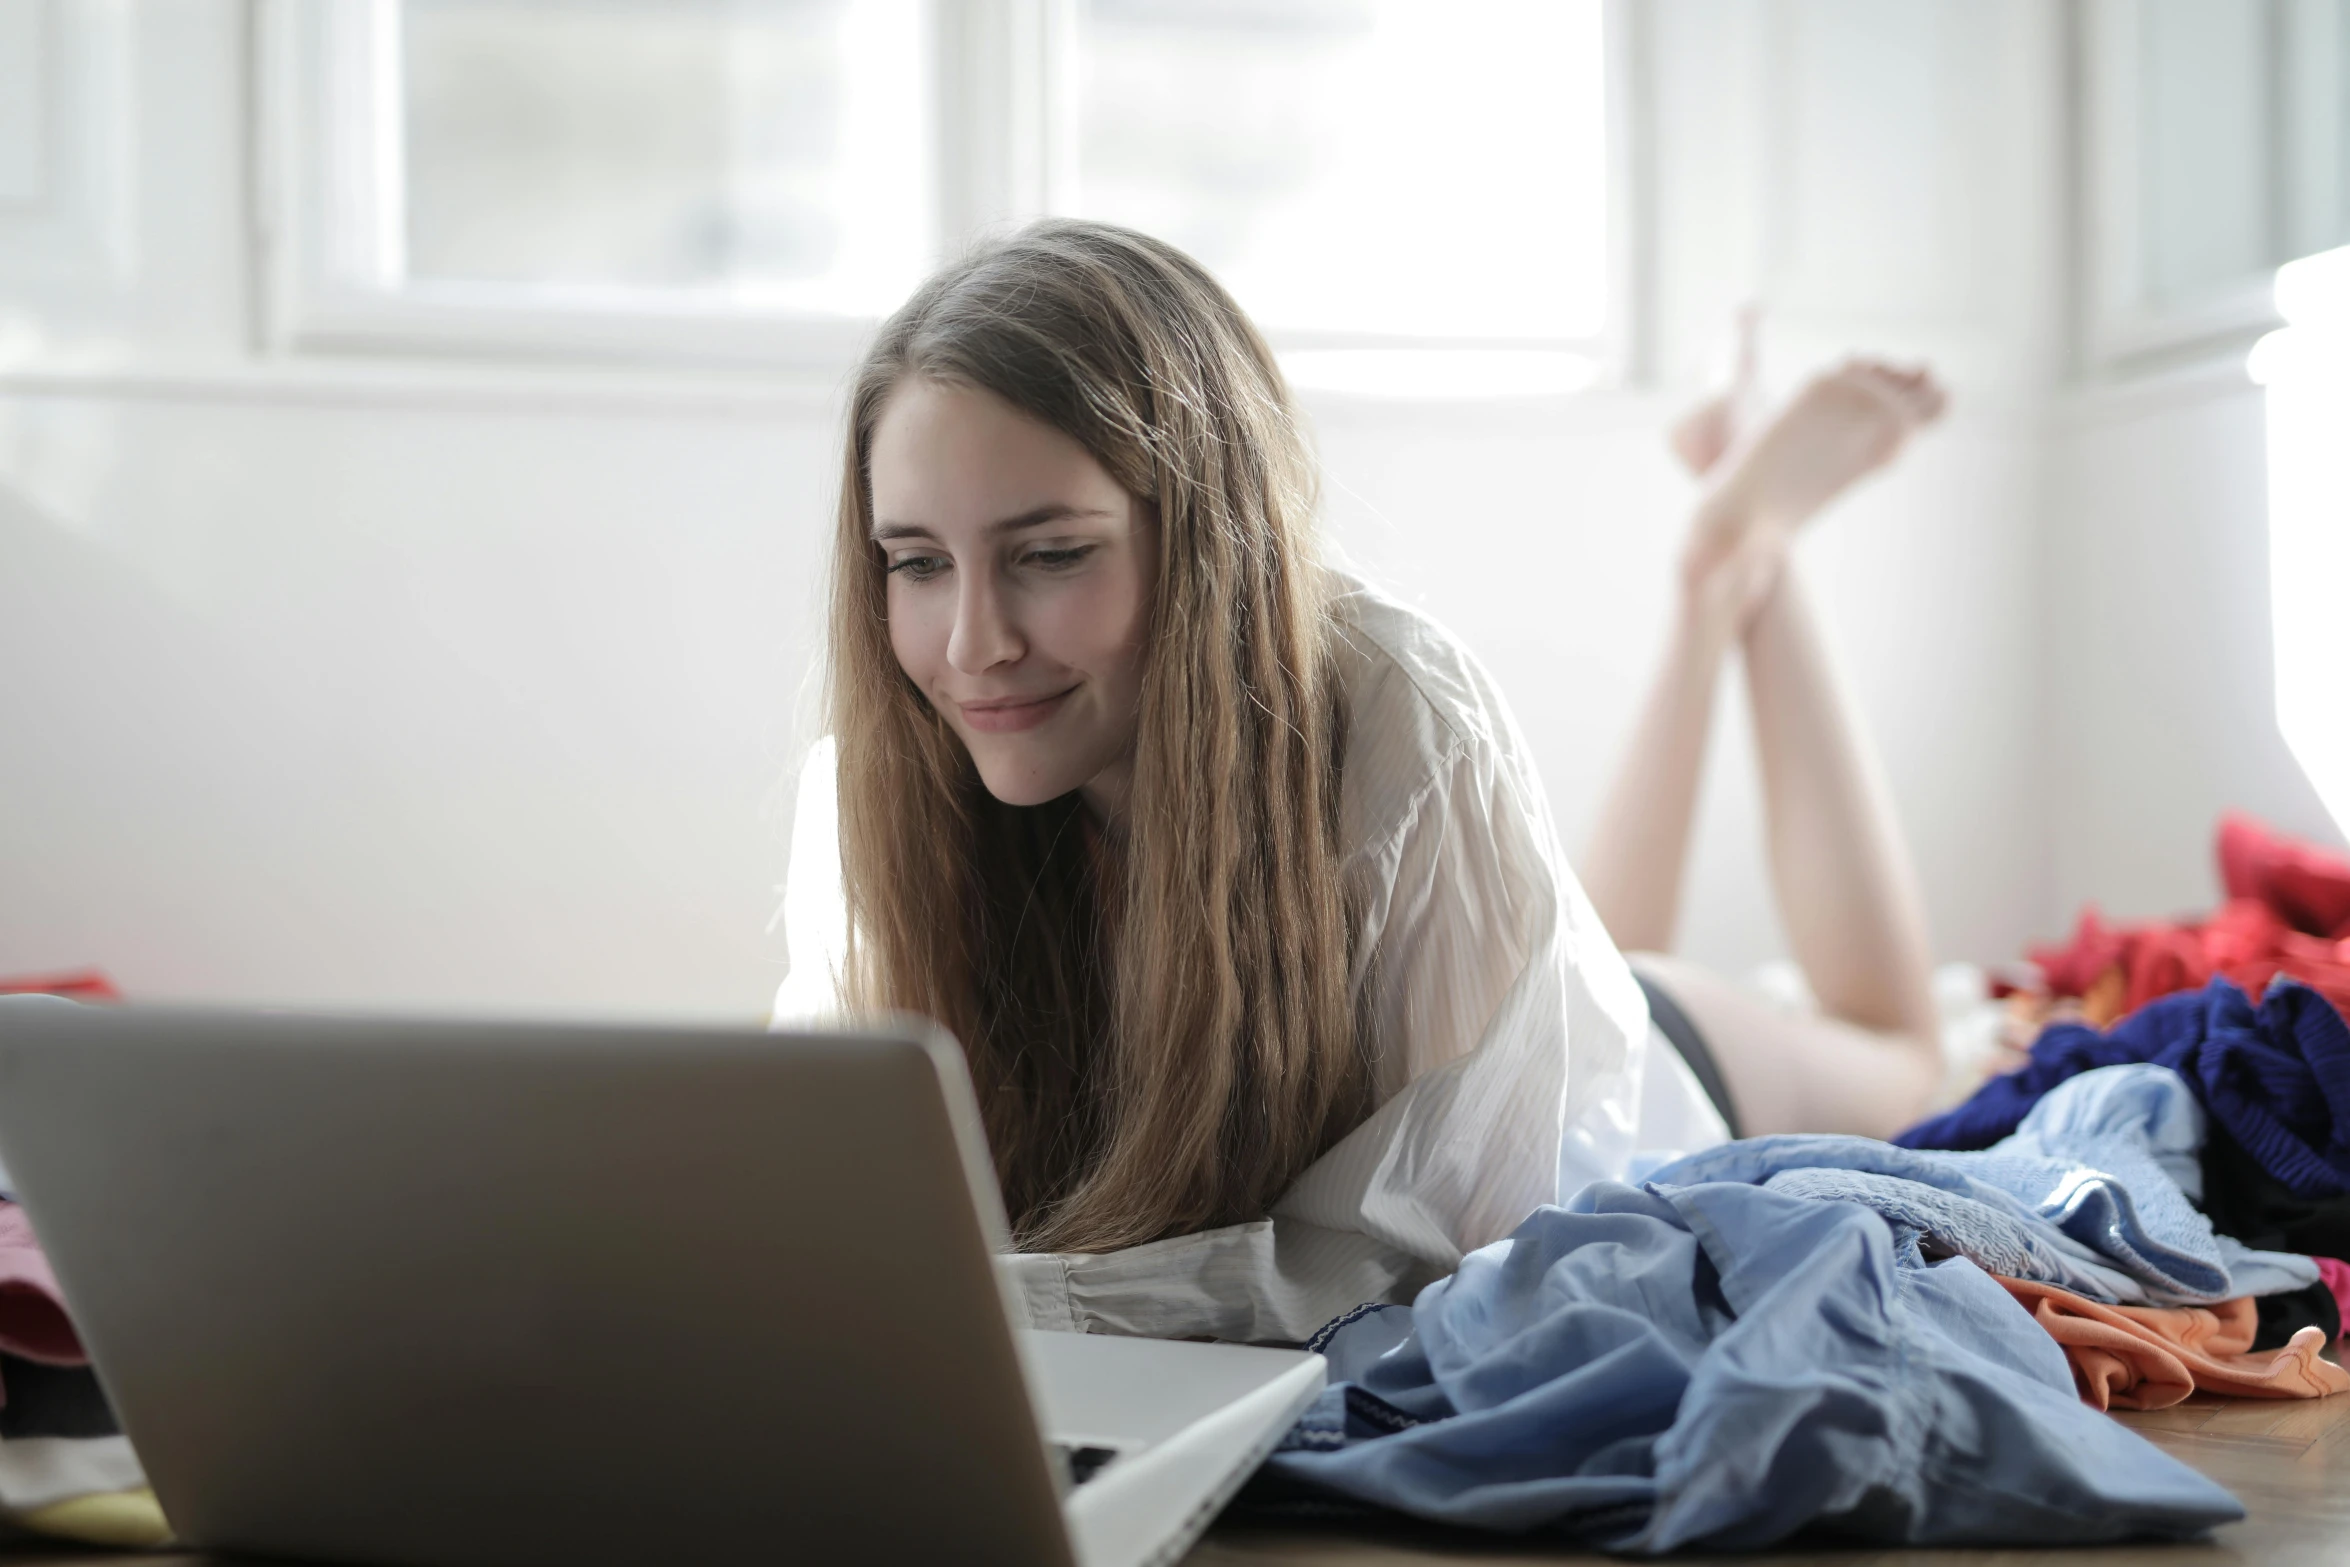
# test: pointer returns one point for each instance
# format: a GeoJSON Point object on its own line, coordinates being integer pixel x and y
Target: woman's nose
{"type": "Point", "coordinates": [984, 636]}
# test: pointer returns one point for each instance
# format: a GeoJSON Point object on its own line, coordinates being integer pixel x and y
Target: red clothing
{"type": "Point", "coordinates": [2288, 911]}
{"type": "Point", "coordinates": [33, 1323]}
{"type": "Point", "coordinates": [86, 985]}
{"type": "Point", "coordinates": [2308, 886]}
{"type": "Point", "coordinates": [2336, 1275]}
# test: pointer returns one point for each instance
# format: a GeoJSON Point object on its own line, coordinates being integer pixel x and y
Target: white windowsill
{"type": "Point", "coordinates": [1373, 382]}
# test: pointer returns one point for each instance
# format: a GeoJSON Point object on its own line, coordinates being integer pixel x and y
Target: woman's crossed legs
{"type": "Point", "coordinates": [1868, 1060]}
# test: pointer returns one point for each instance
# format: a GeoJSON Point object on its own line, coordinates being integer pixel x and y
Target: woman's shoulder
{"type": "Point", "coordinates": [1420, 709]}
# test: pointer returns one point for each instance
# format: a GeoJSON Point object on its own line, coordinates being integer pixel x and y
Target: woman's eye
{"type": "Point", "coordinates": [917, 568]}
{"type": "Point", "coordinates": [1059, 559]}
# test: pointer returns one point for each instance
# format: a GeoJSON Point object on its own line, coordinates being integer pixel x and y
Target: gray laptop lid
{"type": "Point", "coordinates": [504, 1293]}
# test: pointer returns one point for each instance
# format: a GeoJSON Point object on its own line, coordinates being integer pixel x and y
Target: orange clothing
{"type": "Point", "coordinates": [2150, 1357]}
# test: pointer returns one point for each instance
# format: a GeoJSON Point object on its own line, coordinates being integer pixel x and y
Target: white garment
{"type": "Point", "coordinates": [1512, 1052]}
{"type": "Point", "coordinates": [37, 1471]}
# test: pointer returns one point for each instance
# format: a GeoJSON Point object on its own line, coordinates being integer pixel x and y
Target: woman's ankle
{"type": "Point", "coordinates": [1729, 568]}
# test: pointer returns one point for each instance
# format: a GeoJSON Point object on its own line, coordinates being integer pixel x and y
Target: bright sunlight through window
{"type": "Point", "coordinates": [1412, 198]}
{"type": "Point", "coordinates": [767, 152]}
{"type": "Point", "coordinates": [1388, 167]}
{"type": "Point", "coordinates": [2306, 369]}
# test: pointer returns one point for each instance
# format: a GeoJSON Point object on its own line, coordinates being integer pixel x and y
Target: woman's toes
{"type": "Point", "coordinates": [1912, 389]}
{"type": "Point", "coordinates": [1853, 394]}
{"type": "Point", "coordinates": [1701, 435]}
{"type": "Point", "coordinates": [1929, 398]}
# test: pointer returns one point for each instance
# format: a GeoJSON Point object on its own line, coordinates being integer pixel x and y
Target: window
{"type": "Point", "coordinates": [1381, 168]}
{"type": "Point", "coordinates": [2217, 149]}
{"type": "Point", "coordinates": [64, 151]}
{"type": "Point", "coordinates": [734, 180]}
{"type": "Point", "coordinates": [760, 180]}
{"type": "Point", "coordinates": [767, 152]}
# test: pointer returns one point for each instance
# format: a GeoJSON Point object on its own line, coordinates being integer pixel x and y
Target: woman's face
{"type": "Point", "coordinates": [1020, 578]}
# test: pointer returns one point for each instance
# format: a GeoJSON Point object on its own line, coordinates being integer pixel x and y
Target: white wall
{"type": "Point", "coordinates": [1549, 546]}
{"type": "Point", "coordinates": [358, 700]}
{"type": "Point", "coordinates": [444, 684]}
{"type": "Point", "coordinates": [2210, 138]}
{"type": "Point", "coordinates": [2161, 710]}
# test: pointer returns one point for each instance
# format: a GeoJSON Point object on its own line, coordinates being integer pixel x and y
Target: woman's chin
{"type": "Point", "coordinates": [1023, 786]}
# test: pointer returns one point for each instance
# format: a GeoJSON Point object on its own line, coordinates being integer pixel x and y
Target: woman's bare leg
{"type": "Point", "coordinates": [1791, 1071]}
{"type": "Point", "coordinates": [1869, 1059]}
{"type": "Point", "coordinates": [1636, 861]}
{"type": "Point", "coordinates": [1840, 867]}
{"type": "Point", "coordinates": [1840, 870]}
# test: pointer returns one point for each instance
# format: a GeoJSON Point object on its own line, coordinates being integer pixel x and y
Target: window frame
{"type": "Point", "coordinates": [2124, 327]}
{"type": "Point", "coordinates": [1000, 77]}
{"type": "Point", "coordinates": [69, 226]}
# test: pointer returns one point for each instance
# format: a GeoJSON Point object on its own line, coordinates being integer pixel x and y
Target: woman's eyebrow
{"type": "Point", "coordinates": [1056, 511]}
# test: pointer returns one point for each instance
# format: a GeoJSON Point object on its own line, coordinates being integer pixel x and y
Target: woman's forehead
{"type": "Point", "coordinates": [959, 458]}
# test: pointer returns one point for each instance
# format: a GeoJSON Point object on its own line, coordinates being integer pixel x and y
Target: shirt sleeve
{"type": "Point", "coordinates": [1273, 1281]}
{"type": "Point", "coordinates": [815, 913]}
{"type": "Point", "coordinates": [1492, 991]}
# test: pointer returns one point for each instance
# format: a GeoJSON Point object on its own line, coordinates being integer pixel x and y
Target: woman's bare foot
{"type": "Point", "coordinates": [1845, 424]}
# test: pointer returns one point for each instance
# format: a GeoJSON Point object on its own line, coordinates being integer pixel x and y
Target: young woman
{"type": "Point", "coordinates": [1231, 875]}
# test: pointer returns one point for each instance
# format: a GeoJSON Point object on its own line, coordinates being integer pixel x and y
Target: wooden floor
{"type": "Point", "coordinates": [2289, 1462]}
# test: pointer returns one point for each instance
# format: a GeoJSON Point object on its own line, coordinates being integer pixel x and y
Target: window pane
{"type": "Point", "coordinates": [2203, 178]}
{"type": "Point", "coordinates": [1360, 165]}
{"type": "Point", "coordinates": [776, 150]}
{"type": "Point", "coordinates": [21, 105]}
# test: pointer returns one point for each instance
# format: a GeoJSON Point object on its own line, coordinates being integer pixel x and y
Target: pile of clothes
{"type": "Point", "coordinates": [2287, 912]}
{"type": "Point", "coordinates": [65, 1468]}
{"type": "Point", "coordinates": [2246, 1005]}
{"type": "Point", "coordinates": [1907, 1344]}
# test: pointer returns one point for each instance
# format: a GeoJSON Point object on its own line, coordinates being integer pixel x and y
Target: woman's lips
{"type": "Point", "coordinates": [999, 718]}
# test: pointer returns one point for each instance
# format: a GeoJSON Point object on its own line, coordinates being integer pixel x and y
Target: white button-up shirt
{"type": "Point", "coordinates": [1512, 1052]}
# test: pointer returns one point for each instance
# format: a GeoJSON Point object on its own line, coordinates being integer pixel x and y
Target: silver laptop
{"type": "Point", "coordinates": [424, 1293]}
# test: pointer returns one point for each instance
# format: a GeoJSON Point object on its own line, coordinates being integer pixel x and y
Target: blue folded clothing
{"type": "Point", "coordinates": [2276, 1077]}
{"type": "Point", "coordinates": [1722, 1365]}
{"type": "Point", "coordinates": [2091, 1194]}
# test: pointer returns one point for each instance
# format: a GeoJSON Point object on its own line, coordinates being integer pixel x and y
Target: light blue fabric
{"type": "Point", "coordinates": [2086, 1195]}
{"type": "Point", "coordinates": [1723, 1365]}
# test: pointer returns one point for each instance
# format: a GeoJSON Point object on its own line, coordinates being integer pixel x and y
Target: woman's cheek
{"type": "Point", "coordinates": [1091, 630]}
{"type": "Point", "coordinates": [1124, 631]}
{"type": "Point", "coordinates": [1096, 616]}
{"type": "Point", "coordinates": [910, 635]}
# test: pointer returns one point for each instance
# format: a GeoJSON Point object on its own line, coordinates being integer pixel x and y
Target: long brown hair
{"type": "Point", "coordinates": [1162, 1045]}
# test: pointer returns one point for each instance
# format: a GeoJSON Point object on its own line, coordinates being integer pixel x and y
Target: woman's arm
{"type": "Point", "coordinates": [1499, 1007]}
